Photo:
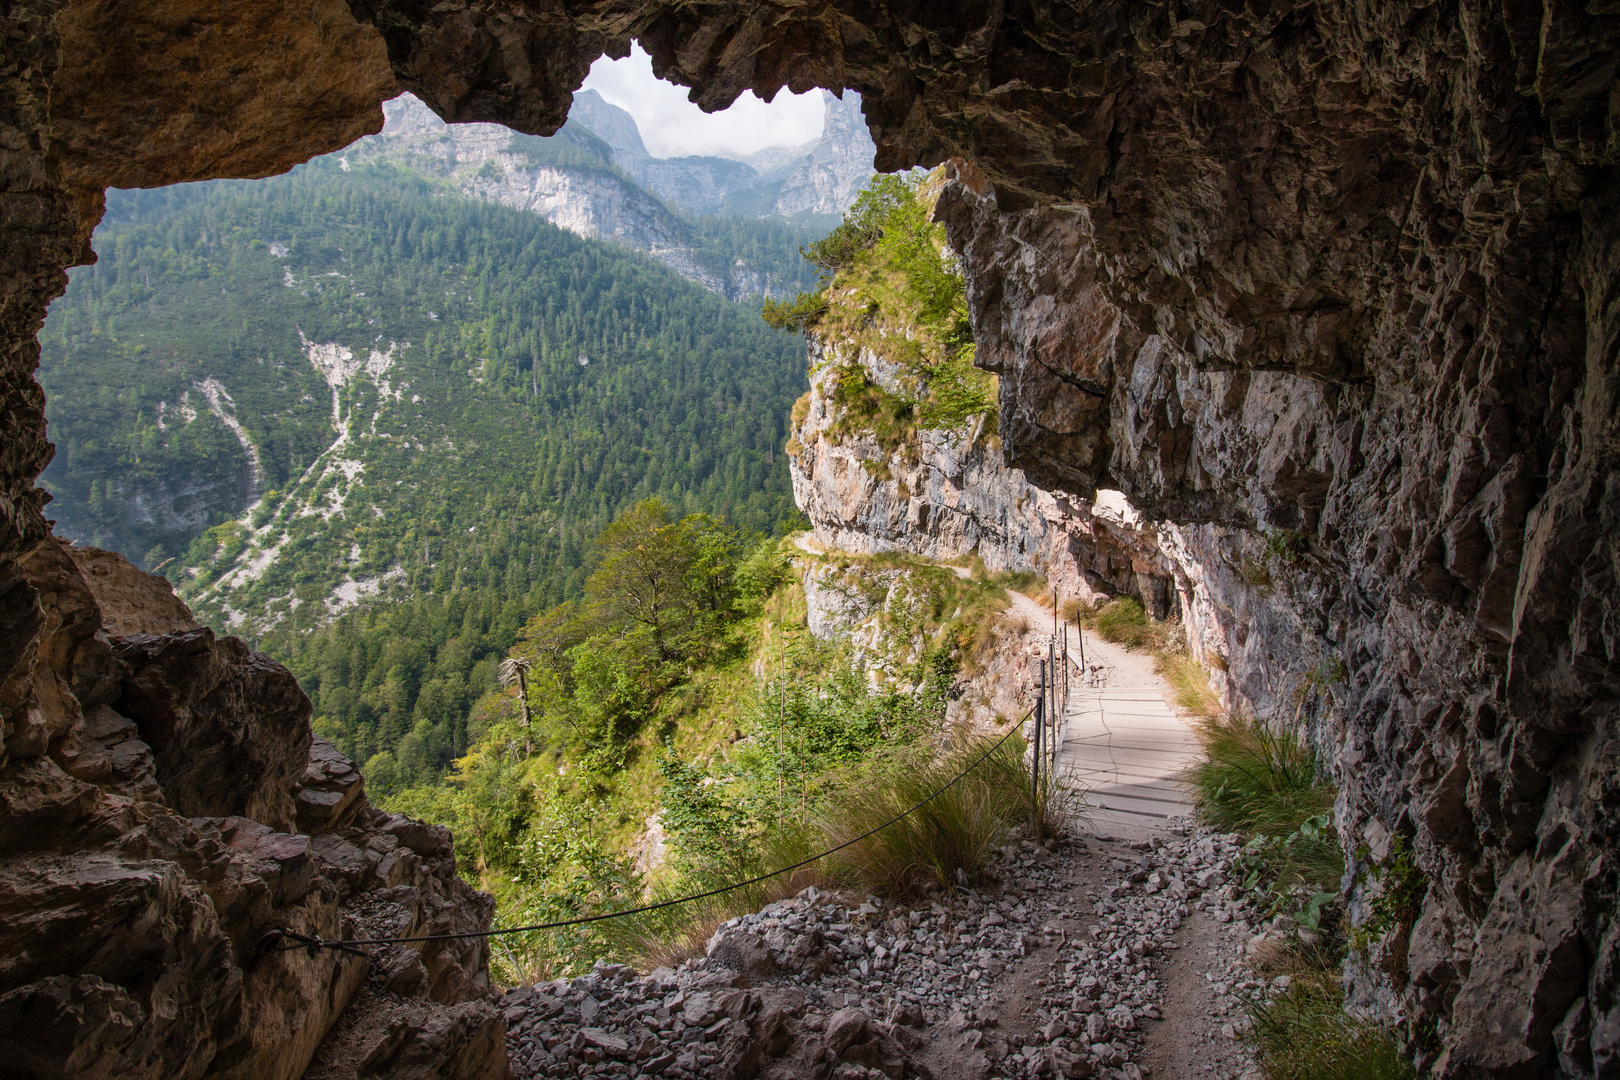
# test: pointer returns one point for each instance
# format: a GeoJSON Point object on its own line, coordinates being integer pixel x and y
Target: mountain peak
{"type": "Point", "coordinates": [612, 124]}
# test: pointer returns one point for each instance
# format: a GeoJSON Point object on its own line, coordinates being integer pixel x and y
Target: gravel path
{"type": "Point", "coordinates": [1116, 953]}
{"type": "Point", "coordinates": [1091, 958]}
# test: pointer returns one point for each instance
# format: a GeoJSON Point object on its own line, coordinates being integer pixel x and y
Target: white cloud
{"type": "Point", "coordinates": [671, 126]}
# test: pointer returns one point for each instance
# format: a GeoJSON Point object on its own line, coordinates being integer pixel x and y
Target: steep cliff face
{"type": "Point", "coordinates": [1334, 270]}
{"type": "Point", "coordinates": [948, 492]}
{"type": "Point", "coordinates": [695, 184]}
{"type": "Point", "coordinates": [839, 163]}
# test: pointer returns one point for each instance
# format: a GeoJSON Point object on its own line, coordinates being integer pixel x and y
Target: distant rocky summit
{"type": "Point", "coordinates": [596, 179]}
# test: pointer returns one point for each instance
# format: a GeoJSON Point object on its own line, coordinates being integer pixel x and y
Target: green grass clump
{"type": "Point", "coordinates": [1189, 683]}
{"type": "Point", "coordinates": [1305, 1035]}
{"type": "Point", "coordinates": [1255, 779]}
{"type": "Point", "coordinates": [1124, 622]}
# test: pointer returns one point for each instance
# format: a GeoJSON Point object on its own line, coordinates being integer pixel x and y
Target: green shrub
{"type": "Point", "coordinates": [1287, 545]}
{"type": "Point", "coordinates": [795, 315]}
{"type": "Point", "coordinates": [1269, 785]}
{"type": "Point", "coordinates": [945, 842]}
{"type": "Point", "coordinates": [1399, 900]}
{"type": "Point", "coordinates": [1124, 622]}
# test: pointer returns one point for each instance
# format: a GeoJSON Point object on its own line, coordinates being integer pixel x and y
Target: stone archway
{"type": "Point", "coordinates": [1341, 272]}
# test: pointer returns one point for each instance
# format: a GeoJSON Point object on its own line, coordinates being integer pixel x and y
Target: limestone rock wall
{"type": "Point", "coordinates": [946, 493]}
{"type": "Point", "coordinates": [1336, 270]}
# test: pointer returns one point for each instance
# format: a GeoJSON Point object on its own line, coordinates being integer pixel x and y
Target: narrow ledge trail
{"type": "Point", "coordinates": [1117, 952]}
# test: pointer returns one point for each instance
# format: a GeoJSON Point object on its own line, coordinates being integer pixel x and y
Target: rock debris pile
{"type": "Point", "coordinates": [1057, 973]}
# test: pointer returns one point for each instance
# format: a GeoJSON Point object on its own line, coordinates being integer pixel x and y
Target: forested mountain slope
{"type": "Point", "coordinates": [296, 393]}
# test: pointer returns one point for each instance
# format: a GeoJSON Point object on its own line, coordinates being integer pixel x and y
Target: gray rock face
{"type": "Point", "coordinates": [148, 851]}
{"type": "Point", "coordinates": [949, 492]}
{"type": "Point", "coordinates": [839, 165]}
{"type": "Point", "coordinates": [695, 184]}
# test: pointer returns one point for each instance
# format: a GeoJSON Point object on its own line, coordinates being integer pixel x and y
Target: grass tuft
{"type": "Point", "coordinates": [1304, 1034]}
{"type": "Point", "coordinates": [947, 842]}
{"type": "Point", "coordinates": [1189, 683]}
{"type": "Point", "coordinates": [1255, 779]}
{"type": "Point", "coordinates": [1124, 622]}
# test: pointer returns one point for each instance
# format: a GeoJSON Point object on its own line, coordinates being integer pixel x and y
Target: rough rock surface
{"type": "Point", "coordinates": [1395, 225]}
{"type": "Point", "coordinates": [149, 787]}
{"type": "Point", "coordinates": [828, 180]}
{"type": "Point", "coordinates": [947, 493]}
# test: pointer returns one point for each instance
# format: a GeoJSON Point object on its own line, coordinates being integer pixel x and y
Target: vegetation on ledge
{"type": "Point", "coordinates": [678, 728]}
{"type": "Point", "coordinates": [892, 293]}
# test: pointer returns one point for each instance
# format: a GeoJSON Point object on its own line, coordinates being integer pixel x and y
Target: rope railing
{"type": "Point", "coordinates": [281, 939]}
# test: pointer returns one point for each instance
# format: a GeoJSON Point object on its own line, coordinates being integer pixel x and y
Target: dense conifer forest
{"type": "Point", "coordinates": [437, 404]}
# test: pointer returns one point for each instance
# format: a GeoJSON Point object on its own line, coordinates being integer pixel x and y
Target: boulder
{"type": "Point", "coordinates": [846, 1027]}
{"type": "Point", "coordinates": [229, 726]}
{"type": "Point", "coordinates": [331, 791]}
{"type": "Point", "coordinates": [742, 951]}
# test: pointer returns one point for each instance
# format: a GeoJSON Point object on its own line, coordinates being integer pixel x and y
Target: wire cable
{"type": "Point", "coordinates": [273, 942]}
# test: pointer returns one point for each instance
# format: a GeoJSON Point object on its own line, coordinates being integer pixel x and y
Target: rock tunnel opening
{"type": "Point", "coordinates": [1256, 269]}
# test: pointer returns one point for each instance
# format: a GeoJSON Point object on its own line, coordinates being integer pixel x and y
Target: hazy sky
{"type": "Point", "coordinates": [672, 126]}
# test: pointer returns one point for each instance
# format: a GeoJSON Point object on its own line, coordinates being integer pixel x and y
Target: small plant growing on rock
{"type": "Point", "coordinates": [1287, 546]}
{"type": "Point", "coordinates": [1397, 899]}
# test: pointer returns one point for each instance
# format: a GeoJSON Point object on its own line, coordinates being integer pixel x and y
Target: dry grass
{"type": "Point", "coordinates": [669, 935]}
{"type": "Point", "coordinates": [1190, 684]}
{"type": "Point", "coordinates": [1075, 609]}
{"type": "Point", "coordinates": [946, 842]}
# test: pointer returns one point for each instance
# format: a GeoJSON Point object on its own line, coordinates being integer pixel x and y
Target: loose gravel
{"type": "Point", "coordinates": [1059, 971]}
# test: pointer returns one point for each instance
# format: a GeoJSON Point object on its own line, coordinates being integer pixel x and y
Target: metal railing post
{"type": "Point", "coordinates": [1052, 710]}
{"type": "Point", "coordinates": [1035, 760]}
